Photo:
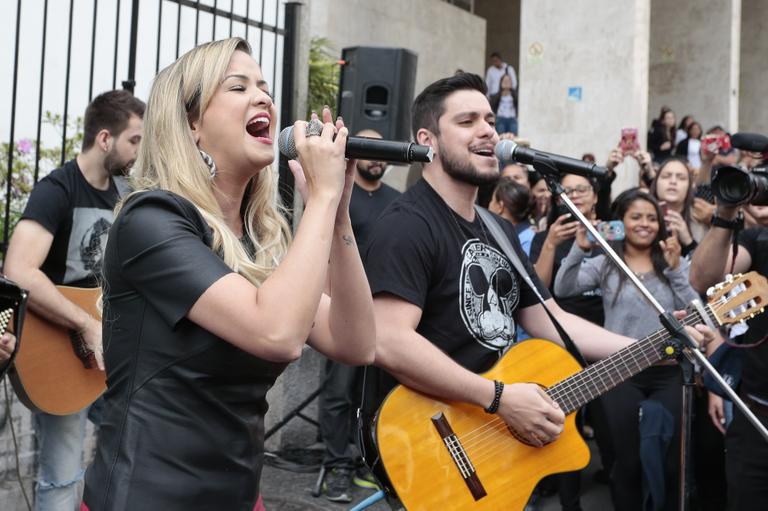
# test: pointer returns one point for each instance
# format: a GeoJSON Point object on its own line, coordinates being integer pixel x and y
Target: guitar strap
{"type": "Point", "coordinates": [501, 238]}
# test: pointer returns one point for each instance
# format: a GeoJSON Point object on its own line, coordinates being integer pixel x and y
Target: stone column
{"type": "Point", "coordinates": [694, 59]}
{"type": "Point", "coordinates": [583, 73]}
{"type": "Point", "coordinates": [753, 101]}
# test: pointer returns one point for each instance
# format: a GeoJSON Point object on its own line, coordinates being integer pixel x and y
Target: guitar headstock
{"type": "Point", "coordinates": [738, 298]}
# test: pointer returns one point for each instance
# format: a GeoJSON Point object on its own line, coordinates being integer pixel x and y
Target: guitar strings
{"type": "Point", "coordinates": [565, 388]}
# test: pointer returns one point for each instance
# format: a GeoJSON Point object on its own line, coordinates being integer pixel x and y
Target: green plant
{"type": "Point", "coordinates": [323, 76]}
{"type": "Point", "coordinates": [25, 159]}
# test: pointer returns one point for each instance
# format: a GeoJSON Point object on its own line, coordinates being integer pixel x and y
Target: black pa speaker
{"type": "Point", "coordinates": [376, 90]}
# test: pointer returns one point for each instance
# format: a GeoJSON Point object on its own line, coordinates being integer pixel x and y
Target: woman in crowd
{"type": "Point", "coordinates": [504, 105]}
{"type": "Point", "coordinates": [673, 188]}
{"type": "Point", "coordinates": [655, 258]}
{"type": "Point", "coordinates": [661, 139]}
{"type": "Point", "coordinates": [542, 198]}
{"type": "Point", "coordinates": [682, 128]}
{"type": "Point", "coordinates": [690, 147]}
{"type": "Point", "coordinates": [204, 303]}
{"type": "Point", "coordinates": [513, 202]}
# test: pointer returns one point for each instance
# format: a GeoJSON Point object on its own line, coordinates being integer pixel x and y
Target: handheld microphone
{"type": "Point", "coordinates": [365, 148]}
{"type": "Point", "coordinates": [507, 150]}
{"type": "Point", "coordinates": [750, 142]}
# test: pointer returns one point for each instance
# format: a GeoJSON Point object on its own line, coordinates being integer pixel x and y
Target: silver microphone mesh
{"type": "Point", "coordinates": [286, 144]}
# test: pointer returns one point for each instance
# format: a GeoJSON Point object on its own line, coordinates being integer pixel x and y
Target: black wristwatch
{"type": "Point", "coordinates": [735, 224]}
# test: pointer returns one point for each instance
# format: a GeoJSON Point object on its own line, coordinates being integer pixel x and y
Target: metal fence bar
{"type": "Point", "coordinates": [178, 30]}
{"type": "Point", "coordinates": [215, 8]}
{"type": "Point", "coordinates": [159, 26]}
{"type": "Point", "coordinates": [39, 100]}
{"type": "Point", "coordinates": [130, 83]}
{"type": "Point", "coordinates": [66, 84]}
{"type": "Point", "coordinates": [93, 55]}
{"type": "Point", "coordinates": [247, 15]}
{"type": "Point", "coordinates": [9, 176]}
{"type": "Point", "coordinates": [231, 13]}
{"type": "Point", "coordinates": [261, 33]}
{"type": "Point", "coordinates": [117, 42]}
{"type": "Point", "coordinates": [197, 20]}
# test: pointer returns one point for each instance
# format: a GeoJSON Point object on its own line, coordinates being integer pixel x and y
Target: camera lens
{"type": "Point", "coordinates": [731, 185]}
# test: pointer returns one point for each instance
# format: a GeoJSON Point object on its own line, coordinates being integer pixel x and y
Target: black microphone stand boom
{"type": "Point", "coordinates": [684, 349]}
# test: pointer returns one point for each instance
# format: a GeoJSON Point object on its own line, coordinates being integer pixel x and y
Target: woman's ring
{"type": "Point", "coordinates": [314, 127]}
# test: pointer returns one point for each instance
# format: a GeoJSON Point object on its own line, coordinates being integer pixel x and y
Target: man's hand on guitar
{"type": "Point", "coordinates": [531, 413]}
{"type": "Point", "coordinates": [92, 337]}
{"type": "Point", "coordinates": [7, 345]}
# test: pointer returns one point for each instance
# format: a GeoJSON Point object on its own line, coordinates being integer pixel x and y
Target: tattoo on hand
{"type": "Point", "coordinates": [348, 240]}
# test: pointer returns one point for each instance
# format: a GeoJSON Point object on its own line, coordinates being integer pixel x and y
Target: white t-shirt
{"type": "Point", "coordinates": [694, 158]}
{"type": "Point", "coordinates": [506, 107]}
{"type": "Point", "coordinates": [494, 74]}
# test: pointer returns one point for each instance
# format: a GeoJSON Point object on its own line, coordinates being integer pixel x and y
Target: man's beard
{"type": "Point", "coordinates": [366, 174]}
{"type": "Point", "coordinates": [464, 171]}
{"type": "Point", "coordinates": [115, 166]}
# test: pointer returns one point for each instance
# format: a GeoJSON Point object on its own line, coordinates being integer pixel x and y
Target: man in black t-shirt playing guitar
{"type": "Point", "coordinates": [446, 298]}
{"type": "Point", "coordinates": [59, 241]}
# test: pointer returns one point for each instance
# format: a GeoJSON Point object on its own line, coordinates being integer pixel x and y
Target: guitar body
{"type": "Point", "coordinates": [48, 375]}
{"type": "Point", "coordinates": [425, 475]}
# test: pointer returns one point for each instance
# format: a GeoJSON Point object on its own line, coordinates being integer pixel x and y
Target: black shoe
{"type": "Point", "coordinates": [336, 486]}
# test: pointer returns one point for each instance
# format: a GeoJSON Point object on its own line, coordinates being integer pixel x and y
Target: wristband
{"type": "Point", "coordinates": [736, 223]}
{"type": "Point", "coordinates": [498, 389]}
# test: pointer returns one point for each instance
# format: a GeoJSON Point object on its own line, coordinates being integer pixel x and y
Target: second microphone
{"type": "Point", "coordinates": [364, 148]}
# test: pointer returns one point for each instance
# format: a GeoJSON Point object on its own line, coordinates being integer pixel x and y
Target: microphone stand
{"type": "Point", "coordinates": [681, 345]}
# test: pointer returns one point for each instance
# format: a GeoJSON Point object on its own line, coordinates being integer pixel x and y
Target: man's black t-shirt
{"type": "Point", "coordinates": [79, 217]}
{"type": "Point", "coordinates": [587, 305]}
{"type": "Point", "coordinates": [468, 291]}
{"type": "Point", "coordinates": [183, 424]}
{"type": "Point", "coordinates": [754, 378]}
{"type": "Point", "coordinates": [365, 207]}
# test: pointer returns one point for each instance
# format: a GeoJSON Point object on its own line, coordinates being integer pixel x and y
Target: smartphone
{"type": "Point", "coordinates": [628, 142]}
{"type": "Point", "coordinates": [664, 208]}
{"type": "Point", "coordinates": [704, 191]}
{"type": "Point", "coordinates": [561, 210]}
{"type": "Point", "coordinates": [715, 143]}
{"type": "Point", "coordinates": [610, 231]}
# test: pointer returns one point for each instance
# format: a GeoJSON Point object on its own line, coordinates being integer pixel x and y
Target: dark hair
{"type": "Point", "coordinates": [618, 210]}
{"type": "Point", "coordinates": [429, 106]}
{"type": "Point", "coordinates": [495, 54]}
{"type": "Point", "coordinates": [684, 120]}
{"type": "Point", "coordinates": [688, 202]}
{"type": "Point", "coordinates": [690, 127]}
{"type": "Point", "coordinates": [553, 214]}
{"type": "Point", "coordinates": [109, 111]}
{"type": "Point", "coordinates": [516, 198]}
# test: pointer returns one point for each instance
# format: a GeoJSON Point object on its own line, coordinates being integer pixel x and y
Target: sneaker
{"type": "Point", "coordinates": [336, 485]}
{"type": "Point", "coordinates": [363, 478]}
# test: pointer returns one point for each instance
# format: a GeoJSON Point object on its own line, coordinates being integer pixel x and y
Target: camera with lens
{"type": "Point", "coordinates": [735, 186]}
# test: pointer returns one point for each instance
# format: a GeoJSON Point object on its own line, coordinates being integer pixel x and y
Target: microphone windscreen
{"type": "Point", "coordinates": [504, 150]}
{"type": "Point", "coordinates": [750, 142]}
{"type": "Point", "coordinates": [286, 144]}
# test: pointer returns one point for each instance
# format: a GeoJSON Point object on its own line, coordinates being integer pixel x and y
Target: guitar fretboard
{"type": "Point", "coordinates": [600, 377]}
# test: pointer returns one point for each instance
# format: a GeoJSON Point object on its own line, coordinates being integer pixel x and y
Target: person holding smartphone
{"type": "Point", "coordinates": [655, 257]}
{"type": "Point", "coordinates": [673, 188]}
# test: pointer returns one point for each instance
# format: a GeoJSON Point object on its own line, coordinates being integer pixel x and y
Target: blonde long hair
{"type": "Point", "coordinates": [169, 159]}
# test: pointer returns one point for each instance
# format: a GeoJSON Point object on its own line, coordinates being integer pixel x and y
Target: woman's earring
{"type": "Point", "coordinates": [209, 161]}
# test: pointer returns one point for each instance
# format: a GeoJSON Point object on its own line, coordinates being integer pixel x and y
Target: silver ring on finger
{"type": "Point", "coordinates": [314, 128]}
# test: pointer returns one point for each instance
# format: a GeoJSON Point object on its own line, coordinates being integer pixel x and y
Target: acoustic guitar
{"type": "Point", "coordinates": [453, 456]}
{"type": "Point", "coordinates": [54, 371]}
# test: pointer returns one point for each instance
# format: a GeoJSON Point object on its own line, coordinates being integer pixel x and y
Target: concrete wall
{"type": "Point", "coordinates": [444, 37]}
{"type": "Point", "coordinates": [753, 100]}
{"type": "Point", "coordinates": [602, 50]}
{"type": "Point", "coordinates": [694, 59]}
{"type": "Point", "coordinates": [502, 19]}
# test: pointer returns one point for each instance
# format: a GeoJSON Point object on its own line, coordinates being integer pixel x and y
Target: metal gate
{"type": "Point", "coordinates": [61, 53]}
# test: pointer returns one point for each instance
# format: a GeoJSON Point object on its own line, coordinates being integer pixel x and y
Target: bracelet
{"type": "Point", "coordinates": [736, 223]}
{"type": "Point", "coordinates": [498, 389]}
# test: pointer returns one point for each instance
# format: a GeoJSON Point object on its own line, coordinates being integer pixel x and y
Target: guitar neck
{"type": "Point", "coordinates": [600, 377]}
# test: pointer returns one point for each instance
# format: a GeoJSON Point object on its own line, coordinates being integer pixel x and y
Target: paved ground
{"type": "Point", "coordinates": [284, 490]}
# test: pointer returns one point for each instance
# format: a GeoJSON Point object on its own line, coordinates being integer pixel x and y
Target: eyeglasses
{"type": "Point", "coordinates": [580, 189]}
